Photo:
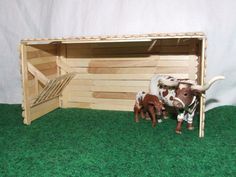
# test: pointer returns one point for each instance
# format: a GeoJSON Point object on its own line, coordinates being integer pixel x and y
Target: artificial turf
{"type": "Point", "coordinates": [87, 143]}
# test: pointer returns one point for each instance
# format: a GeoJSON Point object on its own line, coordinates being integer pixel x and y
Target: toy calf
{"type": "Point", "coordinates": [147, 105]}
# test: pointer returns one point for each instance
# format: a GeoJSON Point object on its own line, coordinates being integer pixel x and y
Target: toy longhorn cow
{"type": "Point", "coordinates": [180, 94]}
{"type": "Point", "coordinates": [147, 105]}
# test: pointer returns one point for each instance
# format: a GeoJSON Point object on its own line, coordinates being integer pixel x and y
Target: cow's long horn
{"type": "Point", "coordinates": [208, 85]}
{"type": "Point", "coordinates": [171, 83]}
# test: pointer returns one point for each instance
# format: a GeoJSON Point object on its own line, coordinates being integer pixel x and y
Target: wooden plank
{"type": "Point", "coordinates": [115, 95]}
{"type": "Point", "coordinates": [76, 105]}
{"type": "Point", "coordinates": [109, 45]}
{"type": "Point", "coordinates": [41, 53]}
{"type": "Point", "coordinates": [124, 76]}
{"type": "Point", "coordinates": [146, 70]}
{"type": "Point", "coordinates": [138, 57]}
{"type": "Point", "coordinates": [135, 83]}
{"type": "Point", "coordinates": [76, 96]}
{"type": "Point", "coordinates": [192, 69]}
{"type": "Point", "coordinates": [45, 47]}
{"type": "Point", "coordinates": [202, 98]}
{"type": "Point", "coordinates": [42, 60]}
{"type": "Point", "coordinates": [113, 107]}
{"type": "Point", "coordinates": [25, 85]}
{"type": "Point", "coordinates": [64, 66]}
{"type": "Point", "coordinates": [144, 62]}
{"type": "Point", "coordinates": [46, 66]}
{"type": "Point", "coordinates": [50, 72]}
{"type": "Point", "coordinates": [33, 70]}
{"type": "Point", "coordinates": [44, 108]}
{"type": "Point", "coordinates": [103, 101]}
{"type": "Point", "coordinates": [119, 88]}
{"type": "Point", "coordinates": [110, 88]}
{"type": "Point", "coordinates": [72, 52]}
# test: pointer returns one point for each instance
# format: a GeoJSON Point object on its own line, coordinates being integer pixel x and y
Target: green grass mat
{"type": "Point", "coordinates": [87, 143]}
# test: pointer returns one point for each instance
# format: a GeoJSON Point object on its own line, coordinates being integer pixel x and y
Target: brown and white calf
{"type": "Point", "coordinates": [181, 94]}
{"type": "Point", "coordinates": [147, 104]}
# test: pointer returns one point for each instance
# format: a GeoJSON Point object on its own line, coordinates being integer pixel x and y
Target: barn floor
{"type": "Point", "coordinates": [87, 143]}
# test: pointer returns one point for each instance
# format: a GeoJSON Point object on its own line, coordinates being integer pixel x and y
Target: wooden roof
{"type": "Point", "coordinates": [115, 38]}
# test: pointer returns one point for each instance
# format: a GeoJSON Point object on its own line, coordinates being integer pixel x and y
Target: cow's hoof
{"type": "Point", "coordinates": [153, 126]}
{"type": "Point", "coordinates": [165, 117]}
{"type": "Point", "coordinates": [159, 120]}
{"type": "Point", "coordinates": [178, 132]}
{"type": "Point", "coordinates": [148, 118]}
{"type": "Point", "coordinates": [190, 126]}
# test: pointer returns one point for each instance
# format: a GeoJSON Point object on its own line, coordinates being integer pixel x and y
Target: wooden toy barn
{"type": "Point", "coordinates": [105, 72]}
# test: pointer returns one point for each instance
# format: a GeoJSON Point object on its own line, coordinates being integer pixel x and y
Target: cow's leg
{"type": "Point", "coordinates": [165, 114]}
{"type": "Point", "coordinates": [142, 113]}
{"type": "Point", "coordinates": [147, 116]}
{"type": "Point", "coordinates": [159, 113]}
{"type": "Point", "coordinates": [190, 121]}
{"type": "Point", "coordinates": [180, 119]}
{"type": "Point", "coordinates": [151, 111]}
{"type": "Point", "coordinates": [136, 113]}
{"type": "Point", "coordinates": [178, 127]}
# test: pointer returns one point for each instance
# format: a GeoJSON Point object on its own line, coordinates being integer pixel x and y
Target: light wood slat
{"type": "Point", "coordinates": [146, 70]}
{"type": "Point", "coordinates": [110, 88]}
{"type": "Point", "coordinates": [50, 74]}
{"type": "Point", "coordinates": [106, 41]}
{"type": "Point", "coordinates": [42, 60]}
{"type": "Point", "coordinates": [43, 108]}
{"type": "Point", "coordinates": [111, 107]}
{"type": "Point", "coordinates": [103, 101]}
{"type": "Point", "coordinates": [54, 88]}
{"type": "Point", "coordinates": [64, 66]}
{"type": "Point", "coordinates": [41, 53]}
{"type": "Point", "coordinates": [48, 47]}
{"type": "Point", "coordinates": [144, 44]}
{"type": "Point", "coordinates": [115, 95]}
{"type": "Point", "coordinates": [124, 76]}
{"type": "Point", "coordinates": [33, 70]}
{"type": "Point", "coordinates": [76, 105]}
{"type": "Point", "coordinates": [119, 88]}
{"type": "Point", "coordinates": [126, 50]}
{"type": "Point", "coordinates": [120, 83]}
{"type": "Point", "coordinates": [144, 57]}
{"type": "Point", "coordinates": [46, 66]}
{"type": "Point", "coordinates": [145, 62]}
{"type": "Point", "coordinates": [77, 95]}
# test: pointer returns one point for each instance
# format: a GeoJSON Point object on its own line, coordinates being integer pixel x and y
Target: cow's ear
{"type": "Point", "coordinates": [196, 92]}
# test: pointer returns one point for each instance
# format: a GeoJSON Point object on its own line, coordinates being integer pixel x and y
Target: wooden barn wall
{"type": "Point", "coordinates": [43, 57]}
{"type": "Point", "coordinates": [110, 74]}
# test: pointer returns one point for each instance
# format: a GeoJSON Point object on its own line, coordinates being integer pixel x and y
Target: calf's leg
{"type": "Point", "coordinates": [136, 113]}
{"type": "Point", "coordinates": [151, 111]}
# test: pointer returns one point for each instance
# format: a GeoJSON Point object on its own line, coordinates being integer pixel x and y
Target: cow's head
{"type": "Point", "coordinates": [187, 90]}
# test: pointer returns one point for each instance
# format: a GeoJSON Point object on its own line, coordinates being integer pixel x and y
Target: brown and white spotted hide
{"type": "Point", "coordinates": [148, 106]}
{"type": "Point", "coordinates": [180, 94]}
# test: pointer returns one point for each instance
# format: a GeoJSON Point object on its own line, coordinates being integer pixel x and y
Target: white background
{"type": "Point", "coordinates": [21, 19]}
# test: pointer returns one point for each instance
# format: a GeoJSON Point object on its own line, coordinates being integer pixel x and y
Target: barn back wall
{"type": "Point", "coordinates": [50, 19]}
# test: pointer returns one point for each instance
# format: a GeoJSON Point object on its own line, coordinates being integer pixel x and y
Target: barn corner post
{"type": "Point", "coordinates": [25, 91]}
{"type": "Point", "coordinates": [202, 81]}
